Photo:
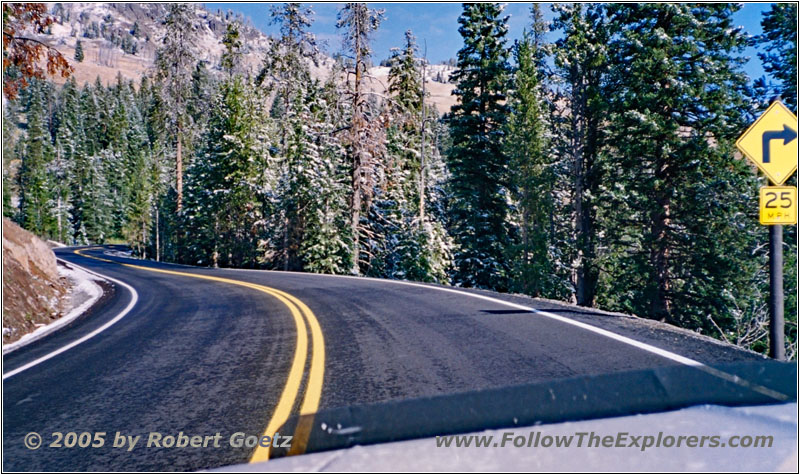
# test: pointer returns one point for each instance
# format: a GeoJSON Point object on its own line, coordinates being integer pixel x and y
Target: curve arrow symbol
{"type": "Point", "coordinates": [787, 135]}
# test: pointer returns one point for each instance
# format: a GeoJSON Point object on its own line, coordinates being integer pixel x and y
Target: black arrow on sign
{"type": "Point", "coordinates": [787, 135]}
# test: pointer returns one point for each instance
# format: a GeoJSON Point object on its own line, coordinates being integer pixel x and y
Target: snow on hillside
{"type": "Point", "coordinates": [122, 39]}
{"type": "Point", "coordinates": [437, 84]}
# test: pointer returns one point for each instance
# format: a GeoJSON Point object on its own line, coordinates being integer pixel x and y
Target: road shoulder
{"type": "Point", "coordinates": [86, 292]}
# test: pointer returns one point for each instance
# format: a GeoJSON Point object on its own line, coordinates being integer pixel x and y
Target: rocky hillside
{"type": "Point", "coordinates": [33, 290]}
{"type": "Point", "coordinates": [122, 38]}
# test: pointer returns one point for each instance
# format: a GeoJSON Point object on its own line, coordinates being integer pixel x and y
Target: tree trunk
{"type": "Point", "coordinates": [578, 137]}
{"type": "Point", "coordinates": [587, 272]}
{"type": "Point", "coordinates": [659, 259]}
{"type": "Point", "coordinates": [357, 158]}
{"type": "Point", "coordinates": [526, 247]}
{"type": "Point", "coordinates": [179, 171]}
{"type": "Point", "coordinates": [59, 217]}
{"type": "Point", "coordinates": [158, 242]}
{"type": "Point", "coordinates": [286, 243]}
{"type": "Point", "coordinates": [286, 222]}
{"type": "Point", "coordinates": [422, 149]}
{"type": "Point", "coordinates": [584, 150]}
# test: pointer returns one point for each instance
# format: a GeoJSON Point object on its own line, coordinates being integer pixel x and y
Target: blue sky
{"type": "Point", "coordinates": [437, 25]}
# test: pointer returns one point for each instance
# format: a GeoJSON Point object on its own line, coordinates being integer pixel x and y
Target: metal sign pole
{"type": "Point", "coordinates": [776, 347]}
{"type": "Point", "coordinates": [771, 144]}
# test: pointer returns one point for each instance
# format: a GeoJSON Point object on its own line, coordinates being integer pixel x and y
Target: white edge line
{"type": "Point", "coordinates": [56, 325]}
{"type": "Point", "coordinates": [585, 326]}
{"type": "Point", "coordinates": [608, 334]}
{"type": "Point", "coordinates": [120, 316]}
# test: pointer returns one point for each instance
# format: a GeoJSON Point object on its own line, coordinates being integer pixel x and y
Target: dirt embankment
{"type": "Point", "coordinates": [33, 290]}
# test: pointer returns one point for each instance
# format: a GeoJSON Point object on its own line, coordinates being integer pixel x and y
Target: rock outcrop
{"type": "Point", "coordinates": [33, 290]}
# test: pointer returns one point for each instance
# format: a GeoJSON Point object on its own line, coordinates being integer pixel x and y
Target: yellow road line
{"type": "Point", "coordinates": [317, 371]}
{"type": "Point", "coordinates": [290, 391]}
{"type": "Point", "coordinates": [80, 253]}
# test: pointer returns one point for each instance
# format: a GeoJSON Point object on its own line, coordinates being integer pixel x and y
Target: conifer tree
{"type": "Point", "coordinates": [779, 57]}
{"type": "Point", "coordinates": [175, 62]}
{"type": "Point", "coordinates": [139, 179]}
{"type": "Point", "coordinates": [91, 219]}
{"type": "Point", "coordinates": [677, 103]}
{"type": "Point", "coordinates": [116, 155]}
{"type": "Point", "coordinates": [412, 244]}
{"type": "Point", "coordinates": [581, 62]}
{"type": "Point", "coordinates": [533, 181]}
{"type": "Point", "coordinates": [232, 56]}
{"type": "Point", "coordinates": [365, 139]}
{"type": "Point", "coordinates": [68, 148]}
{"type": "Point", "coordinates": [316, 162]}
{"type": "Point", "coordinates": [36, 196]}
{"type": "Point", "coordinates": [224, 215]}
{"type": "Point", "coordinates": [9, 155]}
{"type": "Point", "coordinates": [477, 160]}
{"type": "Point", "coordinates": [286, 71]}
{"type": "Point", "coordinates": [327, 242]}
{"type": "Point", "coordinates": [780, 44]}
{"type": "Point", "coordinates": [79, 51]}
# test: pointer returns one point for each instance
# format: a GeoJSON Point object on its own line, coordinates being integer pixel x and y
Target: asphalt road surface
{"type": "Point", "coordinates": [205, 351]}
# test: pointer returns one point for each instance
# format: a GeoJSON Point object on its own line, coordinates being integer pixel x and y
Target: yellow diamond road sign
{"type": "Point", "coordinates": [778, 205]}
{"type": "Point", "coordinates": [771, 143]}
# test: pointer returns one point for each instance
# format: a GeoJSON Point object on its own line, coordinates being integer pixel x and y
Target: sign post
{"type": "Point", "coordinates": [771, 144]}
{"type": "Point", "coordinates": [776, 346]}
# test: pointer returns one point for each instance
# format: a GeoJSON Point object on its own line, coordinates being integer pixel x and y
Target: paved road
{"type": "Point", "coordinates": [213, 350]}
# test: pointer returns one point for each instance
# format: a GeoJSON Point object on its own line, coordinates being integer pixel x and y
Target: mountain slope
{"type": "Point", "coordinates": [122, 39]}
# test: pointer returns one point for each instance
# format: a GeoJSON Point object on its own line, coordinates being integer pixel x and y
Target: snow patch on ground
{"type": "Point", "coordinates": [84, 293]}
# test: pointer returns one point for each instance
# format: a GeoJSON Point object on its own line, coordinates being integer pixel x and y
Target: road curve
{"type": "Point", "coordinates": [207, 351]}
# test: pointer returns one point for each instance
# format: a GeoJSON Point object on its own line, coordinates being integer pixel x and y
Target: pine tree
{"type": "Point", "coordinates": [116, 164]}
{"type": "Point", "coordinates": [91, 205]}
{"type": "Point", "coordinates": [405, 81]}
{"type": "Point", "coordinates": [175, 61]}
{"type": "Point", "coordinates": [286, 71]}
{"type": "Point", "coordinates": [232, 56]}
{"type": "Point", "coordinates": [198, 103]}
{"type": "Point", "coordinates": [150, 102]}
{"type": "Point", "coordinates": [9, 155]}
{"type": "Point", "coordinates": [405, 131]}
{"type": "Point", "coordinates": [287, 61]}
{"type": "Point", "coordinates": [365, 142]}
{"type": "Point", "coordinates": [412, 244]}
{"type": "Point", "coordinates": [316, 162]}
{"type": "Point", "coordinates": [581, 61]}
{"type": "Point", "coordinates": [326, 242]}
{"type": "Point", "coordinates": [677, 103]}
{"type": "Point", "coordinates": [139, 181]}
{"type": "Point", "coordinates": [95, 109]}
{"type": "Point", "coordinates": [223, 208]}
{"type": "Point", "coordinates": [36, 196]}
{"type": "Point", "coordinates": [780, 42]}
{"type": "Point", "coordinates": [68, 148]}
{"type": "Point", "coordinates": [79, 51]}
{"type": "Point", "coordinates": [476, 160]}
{"type": "Point", "coordinates": [533, 180]}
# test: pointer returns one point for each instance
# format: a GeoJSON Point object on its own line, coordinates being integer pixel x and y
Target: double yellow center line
{"type": "Point", "coordinates": [304, 320]}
